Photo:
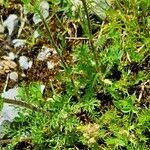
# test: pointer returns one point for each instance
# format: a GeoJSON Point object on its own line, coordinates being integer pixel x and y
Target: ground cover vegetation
{"type": "Point", "coordinates": [100, 99]}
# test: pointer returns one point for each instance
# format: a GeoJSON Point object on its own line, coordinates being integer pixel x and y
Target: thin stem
{"type": "Point", "coordinates": [60, 22]}
{"type": "Point", "coordinates": [52, 40]}
{"type": "Point", "coordinates": [26, 105]}
{"type": "Point", "coordinates": [56, 47]}
{"type": "Point", "coordinates": [90, 34]}
{"type": "Point", "coordinates": [7, 141]}
{"type": "Point", "coordinates": [53, 90]}
{"type": "Point", "coordinates": [76, 38]}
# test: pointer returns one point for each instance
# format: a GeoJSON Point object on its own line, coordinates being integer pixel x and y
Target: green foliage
{"type": "Point", "coordinates": [32, 94]}
{"type": "Point", "coordinates": [4, 3]}
{"type": "Point", "coordinates": [100, 106]}
{"type": "Point", "coordinates": [1, 103]}
{"type": "Point", "coordinates": [126, 105]}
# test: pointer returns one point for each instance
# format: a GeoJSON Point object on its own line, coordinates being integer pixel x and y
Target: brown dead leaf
{"type": "Point", "coordinates": [6, 66]}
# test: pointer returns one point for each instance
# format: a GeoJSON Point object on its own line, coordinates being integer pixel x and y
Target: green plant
{"type": "Point", "coordinates": [99, 106]}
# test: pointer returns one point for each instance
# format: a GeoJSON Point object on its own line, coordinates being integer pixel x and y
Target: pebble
{"type": "Point", "coordinates": [44, 7]}
{"type": "Point", "coordinates": [13, 76]}
{"type": "Point", "coordinates": [25, 63]}
{"type": "Point", "coordinates": [18, 43]}
{"type": "Point", "coordinates": [50, 65]}
{"type": "Point", "coordinates": [11, 23]}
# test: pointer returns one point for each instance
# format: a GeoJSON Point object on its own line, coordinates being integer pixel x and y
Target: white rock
{"type": "Point", "coordinates": [13, 76]}
{"type": "Point", "coordinates": [44, 54]}
{"type": "Point", "coordinates": [23, 75]}
{"type": "Point", "coordinates": [9, 112]}
{"type": "Point", "coordinates": [36, 18]}
{"type": "Point", "coordinates": [11, 56]}
{"type": "Point", "coordinates": [11, 93]}
{"type": "Point", "coordinates": [18, 43]}
{"type": "Point", "coordinates": [44, 7]}
{"type": "Point", "coordinates": [24, 63]}
{"type": "Point", "coordinates": [50, 65]}
{"type": "Point", "coordinates": [52, 50]}
{"type": "Point", "coordinates": [11, 23]}
{"type": "Point", "coordinates": [7, 115]}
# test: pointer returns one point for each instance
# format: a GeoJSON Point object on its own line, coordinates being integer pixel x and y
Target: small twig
{"type": "Point", "coordinates": [142, 89]}
{"type": "Point", "coordinates": [7, 141]}
{"type": "Point", "coordinates": [26, 105]}
{"type": "Point", "coordinates": [76, 38]}
{"type": "Point", "coordinates": [128, 57]}
{"type": "Point", "coordinates": [100, 33]}
{"type": "Point", "coordinates": [141, 93]}
{"type": "Point", "coordinates": [6, 83]}
{"type": "Point", "coordinates": [79, 38]}
{"type": "Point", "coordinates": [53, 90]}
{"type": "Point", "coordinates": [23, 20]}
{"type": "Point", "coordinates": [140, 48]}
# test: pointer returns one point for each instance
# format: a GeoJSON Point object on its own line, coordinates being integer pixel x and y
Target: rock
{"type": "Point", "coordinates": [50, 65]}
{"type": "Point", "coordinates": [8, 112]}
{"type": "Point", "coordinates": [11, 56]}
{"type": "Point", "coordinates": [44, 54]}
{"type": "Point", "coordinates": [24, 63]}
{"type": "Point", "coordinates": [13, 76]}
{"type": "Point", "coordinates": [18, 43]}
{"type": "Point", "coordinates": [11, 23]}
{"type": "Point", "coordinates": [44, 7]}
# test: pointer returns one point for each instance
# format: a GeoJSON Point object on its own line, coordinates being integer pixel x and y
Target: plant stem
{"type": "Point", "coordinates": [57, 48]}
{"type": "Point", "coordinates": [52, 40]}
{"type": "Point", "coordinates": [26, 105]}
{"type": "Point", "coordinates": [90, 35]}
{"type": "Point", "coordinates": [7, 141]}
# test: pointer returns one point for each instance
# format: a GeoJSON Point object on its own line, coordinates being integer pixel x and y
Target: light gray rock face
{"type": "Point", "coordinates": [7, 115]}
{"type": "Point", "coordinates": [9, 112]}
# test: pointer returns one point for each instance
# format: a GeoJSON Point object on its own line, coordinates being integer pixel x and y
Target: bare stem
{"type": "Point", "coordinates": [26, 105]}
{"type": "Point", "coordinates": [90, 34]}
{"type": "Point", "coordinates": [56, 47]}
{"type": "Point", "coordinates": [52, 40]}
{"type": "Point", "coordinates": [7, 141]}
